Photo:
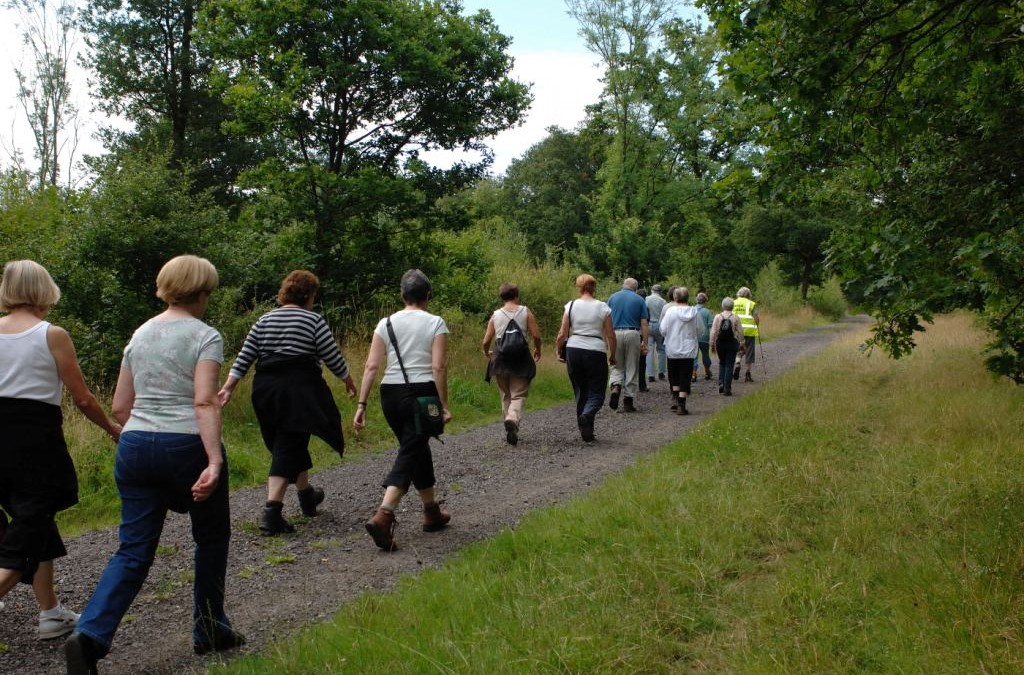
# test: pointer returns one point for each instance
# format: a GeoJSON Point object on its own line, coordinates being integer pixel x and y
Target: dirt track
{"type": "Point", "coordinates": [488, 485]}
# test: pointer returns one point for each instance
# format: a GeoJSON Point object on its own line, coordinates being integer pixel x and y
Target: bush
{"type": "Point", "coordinates": [828, 299]}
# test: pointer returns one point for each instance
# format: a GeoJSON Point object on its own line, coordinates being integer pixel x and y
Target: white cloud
{"type": "Point", "coordinates": [563, 85]}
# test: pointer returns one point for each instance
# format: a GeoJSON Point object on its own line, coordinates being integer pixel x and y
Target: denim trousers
{"type": "Point", "coordinates": [726, 361]}
{"type": "Point", "coordinates": [656, 362]}
{"type": "Point", "coordinates": [154, 473]}
{"type": "Point", "coordinates": [588, 372]}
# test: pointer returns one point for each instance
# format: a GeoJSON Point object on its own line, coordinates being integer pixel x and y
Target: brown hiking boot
{"type": "Point", "coordinates": [434, 518]}
{"type": "Point", "coordinates": [627, 405]}
{"type": "Point", "coordinates": [747, 377]}
{"type": "Point", "coordinates": [382, 528]}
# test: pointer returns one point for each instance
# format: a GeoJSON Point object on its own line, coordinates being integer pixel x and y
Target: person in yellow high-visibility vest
{"type": "Point", "coordinates": [747, 311]}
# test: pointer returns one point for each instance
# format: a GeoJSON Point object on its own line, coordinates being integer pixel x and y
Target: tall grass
{"type": "Point", "coordinates": [857, 515]}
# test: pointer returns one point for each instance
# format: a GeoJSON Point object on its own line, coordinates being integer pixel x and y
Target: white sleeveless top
{"type": "Point", "coordinates": [502, 319]}
{"type": "Point", "coordinates": [27, 368]}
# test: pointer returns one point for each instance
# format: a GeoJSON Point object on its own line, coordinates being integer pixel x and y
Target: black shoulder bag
{"type": "Point", "coordinates": [429, 411]}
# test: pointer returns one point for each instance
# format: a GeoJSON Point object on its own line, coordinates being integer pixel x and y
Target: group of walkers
{"type": "Point", "coordinates": [166, 416]}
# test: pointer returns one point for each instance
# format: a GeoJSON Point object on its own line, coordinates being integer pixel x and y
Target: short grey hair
{"type": "Point", "coordinates": [702, 298]}
{"type": "Point", "coordinates": [681, 294]}
{"type": "Point", "coordinates": [631, 284]}
{"type": "Point", "coordinates": [744, 292]}
{"type": "Point", "coordinates": [727, 303]}
{"type": "Point", "coordinates": [416, 288]}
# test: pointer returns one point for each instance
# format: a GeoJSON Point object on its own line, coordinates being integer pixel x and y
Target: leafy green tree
{"type": "Point", "coordinates": [352, 92]}
{"type": "Point", "coordinates": [917, 107]}
{"type": "Point", "coordinates": [549, 190]}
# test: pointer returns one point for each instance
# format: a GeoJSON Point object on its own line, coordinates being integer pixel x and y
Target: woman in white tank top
{"type": "Point", "coordinates": [37, 478]}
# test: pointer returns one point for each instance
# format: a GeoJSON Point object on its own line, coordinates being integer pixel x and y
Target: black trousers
{"type": "Point", "coordinates": [680, 373]}
{"type": "Point", "coordinates": [414, 464]}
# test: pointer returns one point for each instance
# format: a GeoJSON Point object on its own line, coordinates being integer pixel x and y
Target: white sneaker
{"type": "Point", "coordinates": [52, 627]}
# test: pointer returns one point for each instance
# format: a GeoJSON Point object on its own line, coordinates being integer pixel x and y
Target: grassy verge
{"type": "Point", "coordinates": [857, 515]}
{"type": "Point", "coordinates": [473, 402]}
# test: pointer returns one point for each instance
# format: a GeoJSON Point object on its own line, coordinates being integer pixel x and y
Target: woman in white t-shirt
{"type": "Point", "coordinates": [37, 478]}
{"type": "Point", "coordinates": [418, 369]}
{"type": "Point", "coordinates": [589, 341]}
{"type": "Point", "coordinates": [169, 458]}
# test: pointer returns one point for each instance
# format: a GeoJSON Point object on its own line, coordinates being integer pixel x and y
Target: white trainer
{"type": "Point", "coordinates": [52, 627]}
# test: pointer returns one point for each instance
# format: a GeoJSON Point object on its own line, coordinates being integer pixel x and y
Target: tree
{"type": "Point", "coordinates": [917, 107]}
{"type": "Point", "coordinates": [44, 86]}
{"type": "Point", "coordinates": [352, 92]}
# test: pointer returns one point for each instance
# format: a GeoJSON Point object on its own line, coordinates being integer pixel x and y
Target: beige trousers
{"type": "Point", "coordinates": [514, 391]}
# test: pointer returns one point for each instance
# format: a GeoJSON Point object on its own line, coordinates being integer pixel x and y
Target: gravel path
{"type": "Point", "coordinates": [278, 585]}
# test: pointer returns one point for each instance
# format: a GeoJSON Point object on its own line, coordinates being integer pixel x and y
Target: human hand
{"type": "Point", "coordinates": [350, 387]}
{"type": "Point", "coordinates": [536, 355]}
{"type": "Point", "coordinates": [643, 348]}
{"type": "Point", "coordinates": [359, 421]}
{"type": "Point", "coordinates": [207, 482]}
{"type": "Point", "coordinates": [446, 415]}
{"type": "Point", "coordinates": [224, 396]}
{"type": "Point", "coordinates": [115, 431]}
{"type": "Point", "coordinates": [611, 360]}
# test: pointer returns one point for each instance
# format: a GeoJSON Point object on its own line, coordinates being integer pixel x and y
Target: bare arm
{"type": "Point", "coordinates": [70, 373]}
{"type": "Point", "coordinates": [609, 338]}
{"type": "Point", "coordinates": [124, 396]}
{"type": "Point", "coordinates": [207, 406]}
{"type": "Point", "coordinates": [488, 336]}
{"type": "Point", "coordinates": [531, 325]}
{"type": "Point", "coordinates": [645, 328]}
{"type": "Point", "coordinates": [374, 361]}
{"type": "Point", "coordinates": [438, 356]}
{"type": "Point", "coordinates": [715, 325]}
{"type": "Point", "coordinates": [224, 395]}
{"type": "Point", "coordinates": [563, 331]}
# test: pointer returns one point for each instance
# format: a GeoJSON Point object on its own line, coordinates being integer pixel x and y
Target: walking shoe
{"type": "Point", "coordinates": [643, 387]}
{"type": "Point", "coordinates": [728, 392]}
{"type": "Point", "coordinates": [721, 389]}
{"type": "Point", "coordinates": [661, 376]}
{"type": "Point", "coordinates": [434, 518]}
{"type": "Point", "coordinates": [586, 424]}
{"type": "Point", "coordinates": [627, 405]}
{"type": "Point", "coordinates": [58, 625]}
{"type": "Point", "coordinates": [309, 499]}
{"type": "Point", "coordinates": [222, 642]}
{"type": "Point", "coordinates": [511, 432]}
{"type": "Point", "coordinates": [651, 378]}
{"type": "Point", "coordinates": [273, 522]}
{"type": "Point", "coordinates": [382, 529]}
{"type": "Point", "coordinates": [747, 377]}
{"type": "Point", "coordinates": [613, 402]}
{"type": "Point", "coordinates": [682, 407]}
{"type": "Point", "coordinates": [80, 655]}
{"type": "Point", "coordinates": [736, 373]}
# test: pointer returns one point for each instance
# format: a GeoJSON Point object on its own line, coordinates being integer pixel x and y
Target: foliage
{"type": "Point", "coordinates": [916, 109]}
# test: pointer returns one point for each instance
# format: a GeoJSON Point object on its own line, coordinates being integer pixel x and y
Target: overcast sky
{"type": "Point", "coordinates": [548, 52]}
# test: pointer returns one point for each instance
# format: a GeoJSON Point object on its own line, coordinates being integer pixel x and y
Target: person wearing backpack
{"type": "Point", "coordinates": [726, 330]}
{"type": "Point", "coordinates": [511, 362]}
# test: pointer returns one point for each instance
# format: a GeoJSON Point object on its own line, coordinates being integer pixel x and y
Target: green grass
{"type": "Point", "coordinates": [473, 402]}
{"type": "Point", "coordinates": [856, 515]}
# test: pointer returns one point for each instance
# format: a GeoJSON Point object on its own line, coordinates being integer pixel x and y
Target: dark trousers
{"type": "Point", "coordinates": [414, 464]}
{"type": "Point", "coordinates": [680, 373]}
{"type": "Point", "coordinates": [726, 362]}
{"type": "Point", "coordinates": [154, 473]}
{"type": "Point", "coordinates": [588, 373]}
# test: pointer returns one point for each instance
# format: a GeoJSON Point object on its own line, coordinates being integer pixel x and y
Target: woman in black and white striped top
{"type": "Point", "coordinates": [289, 395]}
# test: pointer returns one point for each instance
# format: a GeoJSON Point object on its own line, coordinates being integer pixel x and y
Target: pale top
{"type": "Point", "coordinates": [586, 324]}
{"type": "Point", "coordinates": [415, 331]}
{"type": "Point", "coordinates": [503, 317]}
{"type": "Point", "coordinates": [27, 368]}
{"type": "Point", "coordinates": [162, 358]}
{"type": "Point", "coordinates": [682, 328]}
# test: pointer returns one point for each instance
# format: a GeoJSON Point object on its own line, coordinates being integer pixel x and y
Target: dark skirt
{"type": "Point", "coordinates": [37, 480]}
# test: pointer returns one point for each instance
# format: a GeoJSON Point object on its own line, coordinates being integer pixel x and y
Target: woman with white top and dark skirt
{"type": "Point", "coordinates": [411, 345]}
{"type": "Point", "coordinates": [289, 395]}
{"type": "Point", "coordinates": [37, 478]}
{"type": "Point", "coordinates": [589, 341]}
{"type": "Point", "coordinates": [512, 372]}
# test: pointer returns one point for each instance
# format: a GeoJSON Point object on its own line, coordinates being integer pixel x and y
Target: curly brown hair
{"type": "Point", "coordinates": [298, 288]}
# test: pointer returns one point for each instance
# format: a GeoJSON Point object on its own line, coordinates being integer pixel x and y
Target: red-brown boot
{"type": "Point", "coordinates": [434, 518]}
{"type": "Point", "coordinates": [382, 529]}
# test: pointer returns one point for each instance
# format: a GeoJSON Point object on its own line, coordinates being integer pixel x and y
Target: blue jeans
{"type": "Point", "coordinates": [155, 473]}
{"type": "Point", "coordinates": [655, 350]}
{"type": "Point", "coordinates": [726, 360]}
{"type": "Point", "coordinates": [588, 372]}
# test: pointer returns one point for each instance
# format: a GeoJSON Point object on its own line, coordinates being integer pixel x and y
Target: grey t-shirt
{"type": "Point", "coordinates": [162, 358]}
{"type": "Point", "coordinates": [586, 324]}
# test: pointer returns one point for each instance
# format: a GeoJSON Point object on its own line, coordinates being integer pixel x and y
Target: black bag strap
{"type": "Point", "coordinates": [569, 313]}
{"type": "Point", "coordinates": [398, 354]}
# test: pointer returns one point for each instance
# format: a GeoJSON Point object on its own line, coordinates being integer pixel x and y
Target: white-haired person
{"type": "Point", "coordinates": [748, 313]}
{"type": "Point", "coordinates": [169, 458]}
{"type": "Point", "coordinates": [726, 339]}
{"type": "Point", "coordinates": [37, 477]}
{"type": "Point", "coordinates": [411, 347]}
